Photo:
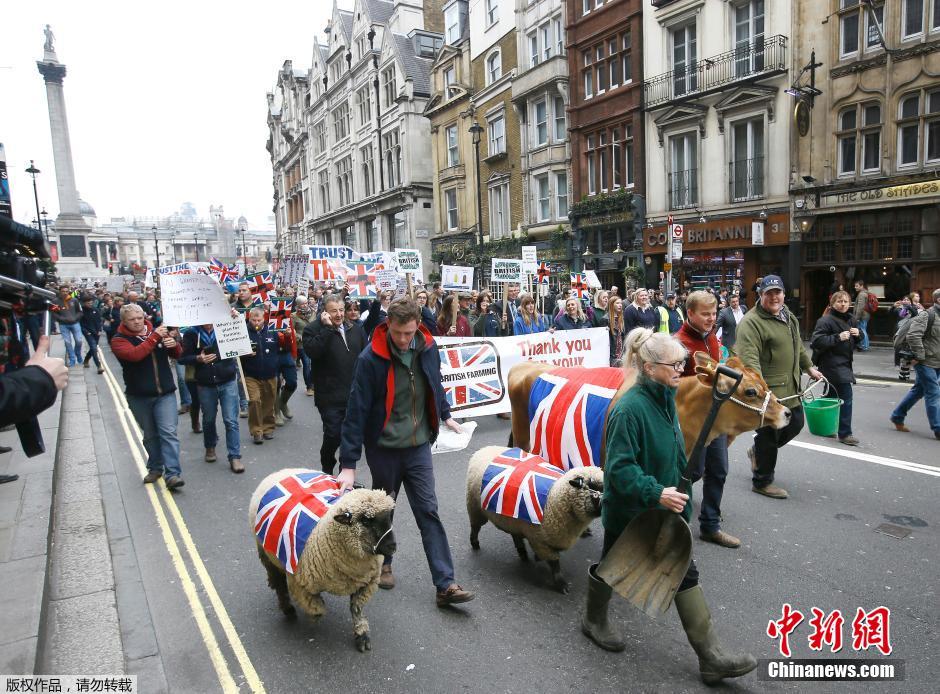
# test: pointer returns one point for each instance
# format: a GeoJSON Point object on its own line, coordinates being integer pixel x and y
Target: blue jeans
{"type": "Point", "coordinates": [72, 336]}
{"type": "Point", "coordinates": [308, 369]}
{"type": "Point", "coordinates": [392, 467]}
{"type": "Point", "coordinates": [927, 386]}
{"type": "Point", "coordinates": [242, 396]}
{"type": "Point", "coordinates": [863, 329]}
{"type": "Point", "coordinates": [844, 392]}
{"type": "Point", "coordinates": [712, 469]}
{"type": "Point", "coordinates": [185, 395]}
{"type": "Point", "coordinates": [224, 397]}
{"type": "Point", "coordinates": [157, 418]}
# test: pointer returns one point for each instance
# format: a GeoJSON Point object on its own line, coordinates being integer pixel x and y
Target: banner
{"type": "Point", "coordinates": [386, 280]}
{"type": "Point", "coordinates": [409, 260]}
{"type": "Point", "coordinates": [114, 283]}
{"type": "Point", "coordinates": [530, 261]}
{"type": "Point", "coordinates": [293, 267]}
{"type": "Point", "coordinates": [475, 371]}
{"type": "Point", "coordinates": [232, 337]}
{"type": "Point", "coordinates": [192, 300]}
{"type": "Point", "coordinates": [456, 278]}
{"type": "Point", "coordinates": [506, 270]}
{"type": "Point", "coordinates": [178, 269]}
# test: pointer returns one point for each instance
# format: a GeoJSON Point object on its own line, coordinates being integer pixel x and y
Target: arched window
{"type": "Point", "coordinates": [858, 130]}
{"type": "Point", "coordinates": [494, 67]}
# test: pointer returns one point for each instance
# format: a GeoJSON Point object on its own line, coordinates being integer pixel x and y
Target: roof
{"type": "Point", "coordinates": [347, 18]}
{"type": "Point", "coordinates": [417, 68]}
{"type": "Point", "coordinates": [300, 73]}
{"type": "Point", "coordinates": [379, 11]}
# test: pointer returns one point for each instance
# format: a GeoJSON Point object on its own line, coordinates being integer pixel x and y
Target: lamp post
{"type": "Point", "coordinates": [196, 244]}
{"type": "Point", "coordinates": [45, 223]}
{"type": "Point", "coordinates": [476, 130]}
{"type": "Point", "coordinates": [244, 249]}
{"type": "Point", "coordinates": [32, 171]}
{"type": "Point", "coordinates": [156, 246]}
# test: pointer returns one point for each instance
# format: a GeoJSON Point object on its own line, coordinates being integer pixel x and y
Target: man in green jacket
{"type": "Point", "coordinates": [769, 342]}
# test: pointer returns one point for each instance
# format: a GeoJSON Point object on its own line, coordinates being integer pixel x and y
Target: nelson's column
{"type": "Point", "coordinates": [70, 226]}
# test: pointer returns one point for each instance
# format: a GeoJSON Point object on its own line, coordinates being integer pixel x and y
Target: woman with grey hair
{"type": "Point", "coordinates": [644, 464]}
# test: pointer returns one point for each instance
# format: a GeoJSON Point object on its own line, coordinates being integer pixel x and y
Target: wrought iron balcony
{"type": "Point", "coordinates": [746, 179]}
{"type": "Point", "coordinates": [747, 62]}
{"type": "Point", "coordinates": [683, 189]}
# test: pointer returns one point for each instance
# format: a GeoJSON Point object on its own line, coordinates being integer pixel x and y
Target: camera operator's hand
{"type": "Point", "coordinates": [53, 366]}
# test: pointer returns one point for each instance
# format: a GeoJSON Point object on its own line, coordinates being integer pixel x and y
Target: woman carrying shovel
{"type": "Point", "coordinates": [645, 460]}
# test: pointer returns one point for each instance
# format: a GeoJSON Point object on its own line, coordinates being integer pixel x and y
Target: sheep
{"type": "Point", "coordinates": [573, 502]}
{"type": "Point", "coordinates": [343, 554]}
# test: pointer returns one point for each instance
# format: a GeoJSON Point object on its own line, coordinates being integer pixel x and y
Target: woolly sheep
{"type": "Point", "coordinates": [343, 555]}
{"type": "Point", "coordinates": [573, 502]}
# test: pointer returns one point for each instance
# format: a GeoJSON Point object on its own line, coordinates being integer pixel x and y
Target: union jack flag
{"type": "Point", "coordinates": [517, 483]}
{"type": "Point", "coordinates": [579, 283]}
{"type": "Point", "coordinates": [542, 274]}
{"type": "Point", "coordinates": [261, 286]}
{"type": "Point", "coordinates": [223, 273]}
{"type": "Point", "coordinates": [290, 510]}
{"type": "Point", "coordinates": [361, 279]}
{"type": "Point", "coordinates": [279, 315]}
{"type": "Point", "coordinates": [470, 375]}
{"type": "Point", "coordinates": [567, 410]}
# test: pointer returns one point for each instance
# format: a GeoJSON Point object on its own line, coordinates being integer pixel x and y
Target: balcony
{"type": "Point", "coordinates": [747, 63]}
{"type": "Point", "coordinates": [683, 189]}
{"type": "Point", "coordinates": [746, 179]}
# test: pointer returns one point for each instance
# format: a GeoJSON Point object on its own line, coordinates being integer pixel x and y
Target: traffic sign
{"type": "Point", "coordinates": [667, 267]}
{"type": "Point", "coordinates": [677, 232]}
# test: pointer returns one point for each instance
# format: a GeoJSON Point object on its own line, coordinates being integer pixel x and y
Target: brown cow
{"type": "Point", "coordinates": [693, 401]}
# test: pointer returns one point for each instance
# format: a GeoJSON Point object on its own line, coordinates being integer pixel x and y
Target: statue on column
{"type": "Point", "coordinates": [50, 38]}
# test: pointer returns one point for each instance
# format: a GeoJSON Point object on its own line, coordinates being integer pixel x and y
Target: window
{"type": "Point", "coordinates": [368, 169]}
{"type": "Point", "coordinates": [389, 88]}
{"type": "Point", "coordinates": [453, 154]}
{"type": "Point", "coordinates": [747, 164]}
{"type": "Point", "coordinates": [749, 38]}
{"type": "Point", "coordinates": [912, 18]}
{"type": "Point", "coordinates": [497, 134]}
{"type": "Point", "coordinates": [492, 12]}
{"type": "Point", "coordinates": [684, 66]}
{"type": "Point", "coordinates": [533, 49]}
{"type": "Point", "coordinates": [614, 65]}
{"type": "Point", "coordinates": [908, 130]}
{"type": "Point", "coordinates": [871, 138]}
{"type": "Point", "coordinates": [561, 124]}
{"type": "Point", "coordinates": [364, 100]}
{"type": "Point", "coordinates": [872, 39]}
{"type": "Point", "coordinates": [450, 202]}
{"type": "Point", "coordinates": [545, 33]}
{"type": "Point", "coordinates": [450, 78]}
{"type": "Point", "coordinates": [499, 211]}
{"type": "Point", "coordinates": [932, 127]}
{"type": "Point", "coordinates": [588, 73]}
{"type": "Point", "coordinates": [341, 121]}
{"type": "Point", "coordinates": [541, 122]}
{"type": "Point", "coordinates": [683, 176]}
{"type": "Point", "coordinates": [323, 179]}
{"type": "Point", "coordinates": [603, 157]}
{"type": "Point", "coordinates": [600, 69]}
{"type": "Point", "coordinates": [543, 210]}
{"type": "Point", "coordinates": [494, 67]}
{"type": "Point", "coordinates": [561, 195]}
{"type": "Point", "coordinates": [391, 145]}
{"type": "Point", "coordinates": [847, 140]}
{"type": "Point", "coordinates": [452, 23]}
{"type": "Point", "coordinates": [935, 16]}
{"type": "Point", "coordinates": [591, 161]}
{"type": "Point", "coordinates": [344, 181]}
{"type": "Point", "coordinates": [400, 236]}
{"type": "Point", "coordinates": [319, 136]}
{"type": "Point", "coordinates": [560, 36]}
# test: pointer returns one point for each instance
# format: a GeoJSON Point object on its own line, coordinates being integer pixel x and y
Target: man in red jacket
{"type": "Point", "coordinates": [697, 334]}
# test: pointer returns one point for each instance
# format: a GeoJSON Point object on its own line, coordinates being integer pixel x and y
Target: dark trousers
{"type": "Point", "coordinates": [844, 391]}
{"type": "Point", "coordinates": [690, 580]}
{"type": "Point", "coordinates": [766, 444]}
{"type": "Point", "coordinates": [193, 389]}
{"type": "Point", "coordinates": [287, 370]}
{"type": "Point", "coordinates": [392, 467]}
{"type": "Point", "coordinates": [32, 324]}
{"type": "Point", "coordinates": [308, 369]}
{"type": "Point", "coordinates": [92, 352]}
{"type": "Point", "coordinates": [712, 469]}
{"type": "Point", "coordinates": [332, 428]}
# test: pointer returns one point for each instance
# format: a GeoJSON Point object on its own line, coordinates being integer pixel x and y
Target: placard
{"type": "Point", "coordinates": [232, 337]}
{"type": "Point", "coordinates": [293, 267]}
{"type": "Point", "coordinates": [530, 261]}
{"type": "Point", "coordinates": [506, 270]}
{"type": "Point", "coordinates": [409, 260]}
{"type": "Point", "coordinates": [114, 283]}
{"type": "Point", "coordinates": [456, 278]}
{"type": "Point", "coordinates": [386, 280]}
{"type": "Point", "coordinates": [592, 281]}
{"type": "Point", "coordinates": [303, 286]}
{"type": "Point", "coordinates": [192, 300]}
{"type": "Point", "coordinates": [757, 233]}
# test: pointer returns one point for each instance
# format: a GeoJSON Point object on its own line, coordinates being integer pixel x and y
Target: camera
{"type": "Point", "coordinates": [905, 357]}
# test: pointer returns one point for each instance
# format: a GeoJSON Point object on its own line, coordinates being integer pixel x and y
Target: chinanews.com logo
{"type": "Point", "coordinates": [870, 630]}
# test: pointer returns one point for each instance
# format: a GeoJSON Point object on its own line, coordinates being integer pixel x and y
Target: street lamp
{"type": "Point", "coordinates": [476, 130]}
{"type": "Point", "coordinates": [45, 223]}
{"type": "Point", "coordinates": [156, 247]}
{"type": "Point", "coordinates": [32, 171]}
{"type": "Point", "coordinates": [196, 243]}
{"type": "Point", "coordinates": [244, 250]}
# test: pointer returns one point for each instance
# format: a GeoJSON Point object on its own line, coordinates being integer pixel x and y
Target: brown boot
{"type": "Point", "coordinates": [454, 595]}
{"type": "Point", "coordinates": [210, 455]}
{"type": "Point", "coordinates": [901, 426]}
{"type": "Point", "coordinates": [772, 491]}
{"type": "Point", "coordinates": [386, 578]}
{"type": "Point", "coordinates": [236, 465]}
{"type": "Point", "coordinates": [720, 537]}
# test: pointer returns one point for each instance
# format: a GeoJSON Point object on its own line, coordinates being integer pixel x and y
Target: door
{"type": "Point", "coordinates": [684, 70]}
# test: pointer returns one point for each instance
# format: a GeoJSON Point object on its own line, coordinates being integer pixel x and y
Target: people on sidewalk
{"type": "Point", "coordinates": [862, 314]}
{"type": "Point", "coordinates": [726, 326]}
{"type": "Point", "coordinates": [91, 323]}
{"type": "Point", "coordinates": [395, 407]}
{"type": "Point", "coordinates": [149, 384]}
{"type": "Point", "coordinates": [67, 312]}
{"type": "Point", "coordinates": [834, 339]}
{"type": "Point", "coordinates": [260, 369]}
{"type": "Point", "coordinates": [769, 342]}
{"type": "Point", "coordinates": [924, 339]}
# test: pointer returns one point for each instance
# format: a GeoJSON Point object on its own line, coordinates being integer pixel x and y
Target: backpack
{"type": "Point", "coordinates": [904, 327]}
{"type": "Point", "coordinates": [871, 303]}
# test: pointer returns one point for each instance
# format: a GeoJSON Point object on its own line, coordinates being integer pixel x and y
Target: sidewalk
{"type": "Point", "coordinates": [877, 363]}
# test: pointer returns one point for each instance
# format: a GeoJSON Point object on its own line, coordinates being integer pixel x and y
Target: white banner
{"type": "Point", "coordinates": [506, 270]}
{"type": "Point", "coordinates": [192, 300]}
{"type": "Point", "coordinates": [409, 260]}
{"type": "Point", "coordinates": [592, 280]}
{"type": "Point", "coordinates": [475, 371]}
{"type": "Point", "coordinates": [530, 261]}
{"type": "Point", "coordinates": [114, 283]}
{"type": "Point", "coordinates": [456, 278]}
{"type": "Point", "coordinates": [232, 337]}
{"type": "Point", "coordinates": [293, 267]}
{"type": "Point", "coordinates": [386, 280]}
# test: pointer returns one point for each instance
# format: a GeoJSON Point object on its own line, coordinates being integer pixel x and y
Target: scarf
{"type": "Point", "coordinates": [206, 339]}
{"type": "Point", "coordinates": [305, 311]}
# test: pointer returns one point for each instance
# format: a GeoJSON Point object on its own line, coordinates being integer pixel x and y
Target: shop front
{"type": "Point", "coordinates": [730, 252]}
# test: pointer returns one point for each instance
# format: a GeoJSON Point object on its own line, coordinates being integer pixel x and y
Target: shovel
{"type": "Point", "coordinates": [650, 558]}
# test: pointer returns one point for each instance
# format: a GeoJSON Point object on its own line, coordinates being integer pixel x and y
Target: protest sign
{"type": "Point", "coordinates": [177, 269]}
{"type": "Point", "coordinates": [232, 337]}
{"type": "Point", "coordinates": [114, 283]}
{"type": "Point", "coordinates": [293, 267]}
{"type": "Point", "coordinates": [303, 287]}
{"type": "Point", "coordinates": [192, 300]}
{"type": "Point", "coordinates": [475, 372]}
{"type": "Point", "coordinates": [506, 270]}
{"type": "Point", "coordinates": [592, 281]}
{"type": "Point", "coordinates": [386, 280]}
{"type": "Point", "coordinates": [530, 261]}
{"type": "Point", "coordinates": [409, 260]}
{"type": "Point", "coordinates": [456, 278]}
{"type": "Point", "coordinates": [149, 279]}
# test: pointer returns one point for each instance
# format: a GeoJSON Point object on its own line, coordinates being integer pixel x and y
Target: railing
{"type": "Point", "coordinates": [746, 179]}
{"type": "Point", "coordinates": [748, 60]}
{"type": "Point", "coordinates": [683, 189]}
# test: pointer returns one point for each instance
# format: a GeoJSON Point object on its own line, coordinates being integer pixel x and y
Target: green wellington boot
{"type": "Point", "coordinates": [713, 663]}
{"type": "Point", "coordinates": [594, 622]}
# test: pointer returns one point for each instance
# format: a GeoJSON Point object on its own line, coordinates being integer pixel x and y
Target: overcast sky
{"type": "Point", "coordinates": [165, 101]}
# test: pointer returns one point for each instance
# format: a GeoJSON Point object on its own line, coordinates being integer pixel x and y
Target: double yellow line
{"type": "Point", "coordinates": [163, 502]}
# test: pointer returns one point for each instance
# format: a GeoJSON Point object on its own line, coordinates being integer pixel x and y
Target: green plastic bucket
{"type": "Point", "coordinates": [822, 416]}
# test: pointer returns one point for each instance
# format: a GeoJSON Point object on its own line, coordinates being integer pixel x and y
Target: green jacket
{"type": "Point", "coordinates": [645, 454]}
{"type": "Point", "coordinates": [773, 349]}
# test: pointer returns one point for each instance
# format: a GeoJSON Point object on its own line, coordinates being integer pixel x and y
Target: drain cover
{"type": "Point", "coordinates": [892, 530]}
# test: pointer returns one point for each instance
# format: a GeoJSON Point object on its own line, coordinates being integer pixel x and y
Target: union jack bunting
{"type": "Point", "coordinates": [290, 510]}
{"type": "Point", "coordinates": [579, 283]}
{"type": "Point", "coordinates": [516, 484]}
{"type": "Point", "coordinates": [223, 273]}
{"type": "Point", "coordinates": [542, 274]}
{"type": "Point", "coordinates": [567, 409]}
{"type": "Point", "coordinates": [470, 375]}
{"type": "Point", "coordinates": [279, 315]}
{"type": "Point", "coordinates": [361, 279]}
{"type": "Point", "coordinates": [261, 286]}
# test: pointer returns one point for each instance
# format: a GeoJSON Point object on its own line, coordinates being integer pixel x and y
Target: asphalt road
{"type": "Point", "coordinates": [819, 548]}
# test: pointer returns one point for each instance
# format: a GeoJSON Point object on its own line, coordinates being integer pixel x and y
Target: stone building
{"type": "Point", "coordinates": [717, 139]}
{"type": "Point", "coordinates": [866, 151]}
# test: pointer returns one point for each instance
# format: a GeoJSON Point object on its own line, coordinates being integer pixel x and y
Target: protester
{"type": "Point", "coordinates": [67, 312]}
{"type": "Point", "coordinates": [260, 368]}
{"type": "Point", "coordinates": [474, 316]}
{"type": "Point", "coordinates": [286, 373]}
{"type": "Point", "coordinates": [144, 353]}
{"type": "Point", "coordinates": [529, 319]}
{"type": "Point", "coordinates": [728, 319]}
{"type": "Point", "coordinates": [91, 324]}
{"type": "Point", "coordinates": [244, 299]}
{"type": "Point", "coordinates": [333, 344]}
{"type": "Point", "coordinates": [396, 404]}
{"type": "Point", "coordinates": [511, 301]}
{"type": "Point", "coordinates": [300, 318]}
{"type": "Point", "coordinates": [465, 299]}
{"type": "Point", "coordinates": [451, 322]}
{"type": "Point", "coordinates": [862, 314]}
{"type": "Point", "coordinates": [351, 311]}
{"type": "Point", "coordinates": [670, 315]}
{"type": "Point", "coordinates": [112, 318]}
{"type": "Point", "coordinates": [376, 314]}
{"type": "Point", "coordinates": [768, 341]}
{"type": "Point", "coordinates": [645, 460]}
{"type": "Point", "coordinates": [490, 322]}
{"type": "Point", "coordinates": [833, 342]}
{"type": "Point", "coordinates": [573, 318]}
{"type": "Point", "coordinates": [427, 315]}
{"type": "Point", "coordinates": [436, 302]}
{"type": "Point", "coordinates": [615, 331]}
{"type": "Point", "coordinates": [923, 336]}
{"type": "Point", "coordinates": [217, 388]}
{"type": "Point", "coordinates": [601, 301]}
{"type": "Point", "coordinates": [697, 334]}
